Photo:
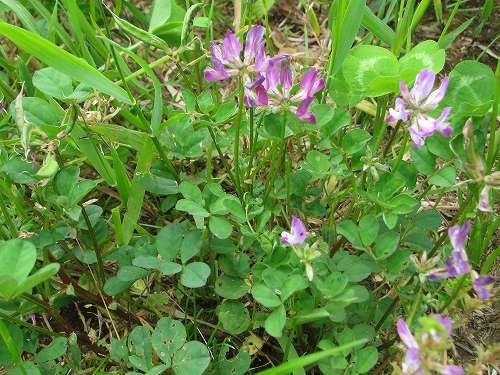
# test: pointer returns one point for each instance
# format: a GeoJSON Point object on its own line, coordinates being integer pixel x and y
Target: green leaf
{"type": "Point", "coordinates": [44, 273]}
{"type": "Point", "coordinates": [234, 317]}
{"type": "Point", "coordinates": [293, 284]}
{"type": "Point", "coordinates": [220, 227]}
{"type": "Point", "coordinates": [192, 359]}
{"type": "Point", "coordinates": [195, 275]}
{"type": "Point", "coordinates": [191, 245]}
{"type": "Point", "coordinates": [131, 273]}
{"type": "Point", "coordinates": [169, 268]}
{"type": "Point", "coordinates": [368, 229]}
{"type": "Point", "coordinates": [169, 240]}
{"type": "Point", "coordinates": [191, 192]}
{"type": "Point", "coordinates": [118, 351]}
{"type": "Point", "coordinates": [355, 141]}
{"type": "Point", "coordinates": [446, 177]}
{"type": "Point", "coordinates": [230, 287]}
{"type": "Point", "coordinates": [159, 185]}
{"type": "Point", "coordinates": [146, 261]}
{"type": "Point", "coordinates": [54, 350]}
{"type": "Point", "coordinates": [425, 55]}
{"type": "Point", "coordinates": [168, 337]}
{"type": "Point", "coordinates": [59, 59]}
{"type": "Point", "coordinates": [366, 358]}
{"type": "Point", "coordinates": [191, 207]}
{"type": "Point", "coordinates": [471, 89]}
{"type": "Point", "coordinates": [275, 322]}
{"type": "Point", "coordinates": [351, 232]}
{"type": "Point", "coordinates": [53, 83]}
{"type": "Point", "coordinates": [386, 244]}
{"type": "Point", "coordinates": [377, 27]}
{"type": "Point", "coordinates": [18, 259]}
{"type": "Point", "coordinates": [160, 13]}
{"type": "Point", "coordinates": [372, 70]}
{"type": "Point", "coordinates": [265, 296]}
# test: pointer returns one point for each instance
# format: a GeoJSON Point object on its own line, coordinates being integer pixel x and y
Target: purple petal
{"type": "Point", "coordinates": [445, 321]}
{"type": "Point", "coordinates": [483, 285]}
{"type": "Point", "coordinates": [422, 86]}
{"type": "Point", "coordinates": [286, 76]}
{"type": "Point", "coordinates": [426, 125]}
{"type": "Point", "coordinates": [297, 235]}
{"type": "Point", "coordinates": [310, 84]}
{"type": "Point", "coordinates": [255, 39]}
{"type": "Point", "coordinates": [484, 200]}
{"type": "Point", "coordinates": [399, 112]}
{"type": "Point", "coordinates": [452, 370]}
{"type": "Point", "coordinates": [457, 263]}
{"type": "Point", "coordinates": [438, 275]}
{"type": "Point", "coordinates": [404, 91]}
{"type": "Point", "coordinates": [436, 96]}
{"type": "Point", "coordinates": [458, 235]}
{"type": "Point", "coordinates": [442, 126]}
{"type": "Point", "coordinates": [260, 59]}
{"type": "Point", "coordinates": [273, 73]}
{"type": "Point", "coordinates": [215, 75]}
{"type": "Point", "coordinates": [405, 334]}
{"type": "Point", "coordinates": [261, 96]}
{"type": "Point", "coordinates": [416, 137]}
{"type": "Point", "coordinates": [216, 53]}
{"type": "Point", "coordinates": [231, 48]}
{"type": "Point", "coordinates": [412, 361]}
{"type": "Point", "coordinates": [302, 112]}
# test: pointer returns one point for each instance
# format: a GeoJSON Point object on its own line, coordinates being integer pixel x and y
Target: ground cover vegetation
{"type": "Point", "coordinates": [248, 187]}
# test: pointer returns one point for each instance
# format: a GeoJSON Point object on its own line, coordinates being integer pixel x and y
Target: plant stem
{"type": "Point", "coordinates": [454, 294]}
{"type": "Point", "coordinates": [393, 137]}
{"type": "Point", "coordinates": [100, 264]}
{"type": "Point", "coordinates": [164, 157]}
{"type": "Point", "coordinates": [224, 161]}
{"type": "Point", "coordinates": [237, 125]}
{"type": "Point", "coordinates": [490, 158]}
{"type": "Point", "coordinates": [8, 219]}
{"type": "Point", "coordinates": [401, 153]}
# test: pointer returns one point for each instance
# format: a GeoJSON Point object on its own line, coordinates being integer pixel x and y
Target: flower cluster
{"type": "Point", "coordinates": [415, 104]}
{"type": "Point", "coordinates": [267, 81]}
{"type": "Point", "coordinates": [424, 351]}
{"type": "Point", "coordinates": [458, 263]}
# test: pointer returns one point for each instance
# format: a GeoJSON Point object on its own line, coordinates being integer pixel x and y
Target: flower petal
{"type": "Point", "coordinates": [445, 321]}
{"type": "Point", "coordinates": [399, 112]}
{"type": "Point", "coordinates": [436, 96]}
{"type": "Point", "coordinates": [215, 75]}
{"type": "Point", "coordinates": [484, 200]}
{"type": "Point", "coordinates": [483, 286]}
{"type": "Point", "coordinates": [254, 41]}
{"type": "Point", "coordinates": [452, 370]}
{"type": "Point", "coordinates": [297, 235]}
{"type": "Point", "coordinates": [405, 334]}
{"type": "Point", "coordinates": [302, 112]}
{"type": "Point", "coordinates": [442, 126]}
{"type": "Point", "coordinates": [403, 88]}
{"type": "Point", "coordinates": [422, 86]}
{"type": "Point", "coordinates": [458, 235]}
{"type": "Point", "coordinates": [231, 48]}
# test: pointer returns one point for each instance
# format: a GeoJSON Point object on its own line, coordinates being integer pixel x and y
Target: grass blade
{"type": "Point", "coordinates": [377, 27]}
{"type": "Point", "coordinates": [22, 13]}
{"type": "Point", "coordinates": [309, 359]}
{"type": "Point", "coordinates": [62, 60]}
{"type": "Point", "coordinates": [144, 158]}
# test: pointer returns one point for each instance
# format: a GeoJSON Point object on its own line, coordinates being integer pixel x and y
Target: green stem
{"type": "Point", "coordinates": [237, 130]}
{"type": "Point", "coordinates": [393, 137]}
{"type": "Point", "coordinates": [100, 263]}
{"type": "Point", "coordinates": [12, 347]}
{"type": "Point", "coordinates": [415, 305]}
{"type": "Point", "coordinates": [401, 153]}
{"type": "Point", "coordinates": [164, 157]}
{"type": "Point", "coordinates": [490, 158]}
{"type": "Point", "coordinates": [224, 161]}
{"type": "Point", "coordinates": [8, 219]}
{"type": "Point", "coordinates": [454, 294]}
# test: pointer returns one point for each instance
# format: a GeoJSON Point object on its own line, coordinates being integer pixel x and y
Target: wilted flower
{"type": "Point", "coordinates": [457, 263]}
{"type": "Point", "coordinates": [416, 102]}
{"type": "Point", "coordinates": [226, 60]}
{"type": "Point", "coordinates": [297, 235]}
{"type": "Point", "coordinates": [484, 200]}
{"type": "Point", "coordinates": [279, 81]}
{"type": "Point", "coordinates": [423, 350]}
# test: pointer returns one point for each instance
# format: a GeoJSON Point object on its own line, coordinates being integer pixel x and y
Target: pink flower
{"type": "Point", "coordinates": [227, 63]}
{"type": "Point", "coordinates": [297, 235]}
{"type": "Point", "coordinates": [280, 81]}
{"type": "Point", "coordinates": [416, 102]}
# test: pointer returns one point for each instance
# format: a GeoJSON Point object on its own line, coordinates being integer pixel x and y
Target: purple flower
{"type": "Point", "coordinates": [446, 322]}
{"type": "Point", "coordinates": [297, 235]}
{"type": "Point", "coordinates": [483, 285]}
{"type": "Point", "coordinates": [452, 370]}
{"type": "Point", "coordinates": [458, 235]}
{"type": "Point", "coordinates": [414, 105]}
{"type": "Point", "coordinates": [280, 81]}
{"type": "Point", "coordinates": [226, 61]}
{"type": "Point", "coordinates": [412, 361]}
